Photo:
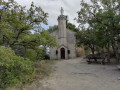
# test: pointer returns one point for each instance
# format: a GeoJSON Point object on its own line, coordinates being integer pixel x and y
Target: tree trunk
{"type": "Point", "coordinates": [0, 17]}
{"type": "Point", "coordinates": [92, 50]}
{"type": "Point", "coordinates": [92, 47]}
{"type": "Point", "coordinates": [5, 42]}
{"type": "Point", "coordinates": [116, 53]}
{"type": "Point", "coordinates": [108, 52]}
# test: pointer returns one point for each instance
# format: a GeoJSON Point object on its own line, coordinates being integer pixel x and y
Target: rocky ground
{"type": "Point", "coordinates": [76, 74]}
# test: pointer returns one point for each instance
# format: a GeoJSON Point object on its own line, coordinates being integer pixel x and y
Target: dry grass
{"type": "Point", "coordinates": [43, 69]}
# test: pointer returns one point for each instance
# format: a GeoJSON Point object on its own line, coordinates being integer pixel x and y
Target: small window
{"type": "Point", "coordinates": [56, 52]}
{"type": "Point", "coordinates": [68, 51]}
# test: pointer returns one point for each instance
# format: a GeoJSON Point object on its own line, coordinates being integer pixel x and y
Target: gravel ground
{"type": "Point", "coordinates": [76, 74]}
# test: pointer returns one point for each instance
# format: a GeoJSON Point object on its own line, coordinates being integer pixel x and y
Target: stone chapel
{"type": "Point", "coordinates": [66, 40]}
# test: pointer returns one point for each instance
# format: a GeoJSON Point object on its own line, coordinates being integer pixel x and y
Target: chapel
{"type": "Point", "coordinates": [66, 40]}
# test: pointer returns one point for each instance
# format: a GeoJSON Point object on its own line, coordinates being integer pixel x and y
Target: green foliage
{"type": "Point", "coordinates": [38, 38]}
{"type": "Point", "coordinates": [72, 27]}
{"type": "Point", "coordinates": [15, 70]}
{"type": "Point", "coordinates": [103, 19]}
{"type": "Point", "coordinates": [17, 21]}
{"type": "Point", "coordinates": [30, 54]}
{"type": "Point", "coordinates": [47, 40]}
{"type": "Point", "coordinates": [86, 37]}
{"type": "Point", "coordinates": [36, 54]}
{"type": "Point", "coordinates": [53, 28]}
{"type": "Point", "coordinates": [40, 53]}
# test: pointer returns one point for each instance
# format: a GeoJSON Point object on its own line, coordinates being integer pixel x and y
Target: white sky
{"type": "Point", "coordinates": [52, 7]}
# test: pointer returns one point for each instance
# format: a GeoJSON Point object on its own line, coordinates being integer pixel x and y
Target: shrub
{"type": "Point", "coordinates": [40, 53]}
{"type": "Point", "coordinates": [37, 54]}
{"type": "Point", "coordinates": [30, 54]}
{"type": "Point", "coordinates": [15, 69]}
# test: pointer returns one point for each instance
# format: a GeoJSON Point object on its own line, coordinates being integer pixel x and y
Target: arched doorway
{"type": "Point", "coordinates": [62, 53]}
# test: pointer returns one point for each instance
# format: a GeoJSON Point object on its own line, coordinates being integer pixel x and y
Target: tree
{"type": "Point", "coordinates": [102, 16]}
{"type": "Point", "coordinates": [17, 22]}
{"type": "Point", "coordinates": [16, 26]}
{"type": "Point", "coordinates": [72, 27]}
{"type": "Point", "coordinates": [53, 28]}
{"type": "Point", "coordinates": [87, 37]}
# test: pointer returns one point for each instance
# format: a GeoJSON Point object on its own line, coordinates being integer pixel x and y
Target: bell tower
{"type": "Point", "coordinates": [62, 33]}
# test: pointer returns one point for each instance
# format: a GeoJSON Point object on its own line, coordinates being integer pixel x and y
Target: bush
{"type": "Point", "coordinates": [40, 53]}
{"type": "Point", "coordinates": [15, 69]}
{"type": "Point", "coordinates": [31, 54]}
{"type": "Point", "coordinates": [37, 54]}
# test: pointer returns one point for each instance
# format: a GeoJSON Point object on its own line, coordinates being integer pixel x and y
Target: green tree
{"type": "Point", "coordinates": [16, 25]}
{"type": "Point", "coordinates": [34, 42]}
{"type": "Point", "coordinates": [72, 27]}
{"type": "Point", "coordinates": [102, 16]}
{"type": "Point", "coordinates": [53, 28]}
{"type": "Point", "coordinates": [86, 37]}
{"type": "Point", "coordinates": [17, 22]}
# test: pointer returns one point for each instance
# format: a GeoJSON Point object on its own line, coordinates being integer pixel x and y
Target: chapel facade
{"type": "Point", "coordinates": [66, 40]}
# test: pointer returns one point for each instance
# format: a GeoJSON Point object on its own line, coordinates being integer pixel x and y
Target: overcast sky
{"type": "Point", "coordinates": [52, 7]}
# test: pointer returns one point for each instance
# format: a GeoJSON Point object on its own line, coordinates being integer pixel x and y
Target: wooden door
{"type": "Point", "coordinates": [62, 53]}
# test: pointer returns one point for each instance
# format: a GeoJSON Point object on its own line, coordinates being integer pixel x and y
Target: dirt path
{"type": "Point", "coordinates": [76, 74]}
